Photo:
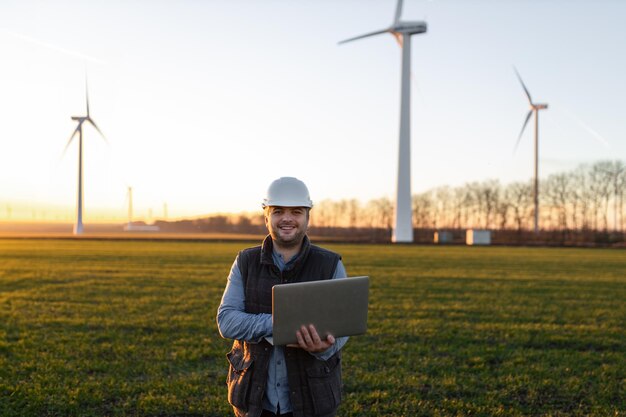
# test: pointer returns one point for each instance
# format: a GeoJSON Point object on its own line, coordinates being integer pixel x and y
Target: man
{"type": "Point", "coordinates": [265, 380]}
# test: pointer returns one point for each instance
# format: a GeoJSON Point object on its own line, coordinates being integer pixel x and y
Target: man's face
{"type": "Point", "coordinates": [287, 225]}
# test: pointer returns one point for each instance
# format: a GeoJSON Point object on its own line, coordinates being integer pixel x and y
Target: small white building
{"type": "Point", "coordinates": [141, 227]}
{"type": "Point", "coordinates": [478, 237]}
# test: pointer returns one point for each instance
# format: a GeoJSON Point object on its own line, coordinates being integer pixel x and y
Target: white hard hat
{"type": "Point", "coordinates": [287, 192]}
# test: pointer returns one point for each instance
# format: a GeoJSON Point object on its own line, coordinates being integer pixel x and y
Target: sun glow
{"type": "Point", "coordinates": [204, 126]}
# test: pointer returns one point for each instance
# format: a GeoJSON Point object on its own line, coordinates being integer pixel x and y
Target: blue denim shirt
{"type": "Point", "coordinates": [234, 323]}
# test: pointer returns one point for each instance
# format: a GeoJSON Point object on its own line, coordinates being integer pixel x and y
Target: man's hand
{"type": "Point", "coordinates": [309, 340]}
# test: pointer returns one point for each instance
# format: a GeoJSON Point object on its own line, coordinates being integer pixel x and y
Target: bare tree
{"type": "Point", "coordinates": [521, 201]}
{"type": "Point", "coordinates": [473, 204]}
{"type": "Point", "coordinates": [615, 172]}
{"type": "Point", "coordinates": [459, 215]}
{"type": "Point", "coordinates": [558, 194]}
{"type": "Point", "coordinates": [620, 186]}
{"type": "Point", "coordinates": [353, 212]}
{"type": "Point", "coordinates": [322, 216]}
{"type": "Point", "coordinates": [582, 199]}
{"type": "Point", "coordinates": [601, 191]}
{"type": "Point", "coordinates": [423, 210]}
{"type": "Point", "coordinates": [442, 197]}
{"type": "Point", "coordinates": [490, 190]}
{"type": "Point", "coordinates": [382, 209]}
{"type": "Point", "coordinates": [503, 209]}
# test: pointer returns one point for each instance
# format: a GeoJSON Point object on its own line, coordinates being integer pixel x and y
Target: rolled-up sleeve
{"type": "Point", "coordinates": [232, 320]}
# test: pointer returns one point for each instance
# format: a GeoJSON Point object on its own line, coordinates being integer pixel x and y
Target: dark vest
{"type": "Point", "coordinates": [314, 385]}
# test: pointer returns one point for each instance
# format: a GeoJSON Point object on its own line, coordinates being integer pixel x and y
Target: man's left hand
{"type": "Point", "coordinates": [309, 340]}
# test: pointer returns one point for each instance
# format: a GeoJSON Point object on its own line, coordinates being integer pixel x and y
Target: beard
{"type": "Point", "coordinates": [289, 241]}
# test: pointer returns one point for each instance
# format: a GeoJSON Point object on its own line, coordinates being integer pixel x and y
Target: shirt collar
{"type": "Point", "coordinates": [270, 255]}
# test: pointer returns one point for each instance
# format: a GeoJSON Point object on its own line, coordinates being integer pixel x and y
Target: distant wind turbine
{"type": "Point", "coordinates": [402, 31]}
{"type": "Point", "coordinates": [78, 227]}
{"type": "Point", "coordinates": [534, 108]}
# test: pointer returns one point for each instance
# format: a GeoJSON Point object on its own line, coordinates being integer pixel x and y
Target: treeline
{"type": "Point", "coordinates": [587, 198]}
{"type": "Point", "coordinates": [585, 201]}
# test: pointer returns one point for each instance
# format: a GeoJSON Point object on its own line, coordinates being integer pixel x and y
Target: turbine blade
{"type": "Point", "coordinates": [90, 120]}
{"type": "Point", "coordinates": [71, 138]}
{"type": "Point", "coordinates": [530, 100]}
{"type": "Point", "coordinates": [378, 32]}
{"type": "Point", "coordinates": [530, 112]}
{"type": "Point", "coordinates": [398, 12]}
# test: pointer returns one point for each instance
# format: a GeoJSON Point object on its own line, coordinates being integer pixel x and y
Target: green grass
{"type": "Point", "coordinates": [91, 328]}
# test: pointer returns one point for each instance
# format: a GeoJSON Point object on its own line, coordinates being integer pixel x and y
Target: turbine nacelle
{"type": "Point", "coordinates": [539, 106]}
{"type": "Point", "coordinates": [409, 28]}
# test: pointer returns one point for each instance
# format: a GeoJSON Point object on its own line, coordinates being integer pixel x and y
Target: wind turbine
{"type": "Point", "coordinates": [534, 108]}
{"type": "Point", "coordinates": [78, 227]}
{"type": "Point", "coordinates": [402, 31]}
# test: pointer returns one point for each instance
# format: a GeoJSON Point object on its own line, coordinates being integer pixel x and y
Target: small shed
{"type": "Point", "coordinates": [478, 237]}
{"type": "Point", "coordinates": [442, 237]}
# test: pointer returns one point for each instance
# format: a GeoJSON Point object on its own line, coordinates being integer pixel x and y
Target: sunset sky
{"type": "Point", "coordinates": [204, 103]}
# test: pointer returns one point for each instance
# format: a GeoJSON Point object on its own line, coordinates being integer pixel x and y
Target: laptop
{"type": "Point", "coordinates": [334, 306]}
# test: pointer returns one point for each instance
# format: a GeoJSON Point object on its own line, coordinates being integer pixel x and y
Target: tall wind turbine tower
{"type": "Point", "coordinates": [402, 31]}
{"type": "Point", "coordinates": [534, 108]}
{"type": "Point", "coordinates": [78, 227]}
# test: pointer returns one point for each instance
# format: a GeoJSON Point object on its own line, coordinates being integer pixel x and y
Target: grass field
{"type": "Point", "coordinates": [93, 328]}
